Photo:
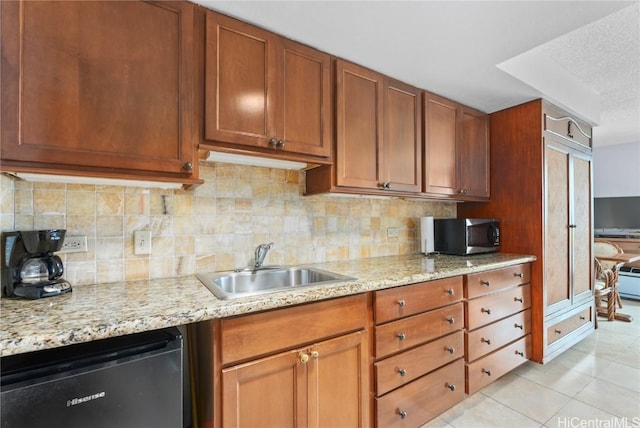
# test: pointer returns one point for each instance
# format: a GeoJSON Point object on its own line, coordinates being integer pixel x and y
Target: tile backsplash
{"type": "Point", "coordinates": [215, 226]}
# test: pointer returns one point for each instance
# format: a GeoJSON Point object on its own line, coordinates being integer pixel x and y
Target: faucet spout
{"type": "Point", "coordinates": [261, 253]}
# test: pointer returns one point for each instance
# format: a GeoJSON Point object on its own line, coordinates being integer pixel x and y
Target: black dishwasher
{"type": "Point", "coordinates": [128, 381]}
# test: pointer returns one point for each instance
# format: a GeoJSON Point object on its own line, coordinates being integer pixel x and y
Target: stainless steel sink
{"type": "Point", "coordinates": [249, 282]}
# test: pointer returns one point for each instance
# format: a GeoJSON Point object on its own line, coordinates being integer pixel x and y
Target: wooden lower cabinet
{"type": "Point", "coordinates": [306, 365]}
{"type": "Point", "coordinates": [482, 372]}
{"type": "Point", "coordinates": [317, 386]}
{"type": "Point", "coordinates": [498, 334]}
{"type": "Point", "coordinates": [423, 399]}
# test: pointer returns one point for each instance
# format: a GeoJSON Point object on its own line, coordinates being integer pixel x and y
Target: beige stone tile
{"type": "Point", "coordinates": [23, 222]}
{"type": "Point", "coordinates": [183, 205]}
{"type": "Point", "coordinates": [555, 377]}
{"type": "Point", "coordinates": [622, 375]}
{"type": "Point", "coordinates": [524, 396]}
{"type": "Point", "coordinates": [109, 226]}
{"type": "Point", "coordinates": [185, 265]}
{"type": "Point", "coordinates": [161, 267]}
{"type": "Point", "coordinates": [161, 247]}
{"type": "Point", "coordinates": [582, 362]}
{"type": "Point", "coordinates": [611, 398]}
{"type": "Point", "coordinates": [136, 269]}
{"type": "Point", "coordinates": [110, 270]}
{"type": "Point", "coordinates": [184, 245]}
{"type": "Point", "coordinates": [481, 411]}
{"type": "Point", "coordinates": [436, 423]}
{"type": "Point", "coordinates": [23, 201]}
{"type": "Point", "coordinates": [47, 202]}
{"type": "Point", "coordinates": [113, 203]}
{"type": "Point", "coordinates": [109, 248]}
{"type": "Point", "coordinates": [578, 414]}
{"type": "Point", "coordinates": [135, 204]}
{"type": "Point", "coordinates": [81, 203]}
{"type": "Point", "coordinates": [162, 203]}
{"type": "Point", "coordinates": [49, 221]}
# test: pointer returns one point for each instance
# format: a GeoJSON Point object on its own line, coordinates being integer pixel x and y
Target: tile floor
{"type": "Point", "coordinates": [595, 384]}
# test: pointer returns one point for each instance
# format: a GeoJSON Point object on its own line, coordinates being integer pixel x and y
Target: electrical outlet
{"type": "Point", "coordinates": [142, 242]}
{"type": "Point", "coordinates": [392, 232]}
{"type": "Point", "coordinates": [74, 244]}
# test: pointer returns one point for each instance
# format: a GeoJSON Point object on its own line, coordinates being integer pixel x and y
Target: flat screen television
{"type": "Point", "coordinates": [616, 213]}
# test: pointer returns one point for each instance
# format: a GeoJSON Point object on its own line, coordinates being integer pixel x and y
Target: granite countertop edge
{"type": "Point", "coordinates": [99, 311]}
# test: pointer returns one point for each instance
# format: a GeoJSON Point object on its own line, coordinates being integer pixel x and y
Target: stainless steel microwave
{"type": "Point", "coordinates": [463, 236]}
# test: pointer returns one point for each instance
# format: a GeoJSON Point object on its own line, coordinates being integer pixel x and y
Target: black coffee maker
{"type": "Point", "coordinates": [29, 267]}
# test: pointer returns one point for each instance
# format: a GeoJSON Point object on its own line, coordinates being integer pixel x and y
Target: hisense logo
{"type": "Point", "coordinates": [80, 400]}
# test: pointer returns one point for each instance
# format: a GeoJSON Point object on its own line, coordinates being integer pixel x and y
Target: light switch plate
{"type": "Point", "coordinates": [142, 242]}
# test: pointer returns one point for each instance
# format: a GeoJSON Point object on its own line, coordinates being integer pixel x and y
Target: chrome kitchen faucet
{"type": "Point", "coordinates": [261, 253]}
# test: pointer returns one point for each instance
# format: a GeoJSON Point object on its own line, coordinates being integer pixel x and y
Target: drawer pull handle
{"type": "Point", "coordinates": [450, 349]}
{"type": "Point", "coordinates": [486, 311]}
{"type": "Point", "coordinates": [401, 302]}
{"type": "Point", "coordinates": [304, 358]}
{"type": "Point", "coordinates": [485, 283]}
{"type": "Point", "coordinates": [582, 317]}
{"type": "Point", "coordinates": [401, 336]}
{"type": "Point", "coordinates": [520, 326]}
{"type": "Point", "coordinates": [558, 331]}
{"type": "Point", "coordinates": [487, 341]}
{"type": "Point", "coordinates": [449, 291]}
{"type": "Point", "coordinates": [520, 353]}
{"type": "Point", "coordinates": [518, 274]}
{"type": "Point", "coordinates": [487, 372]}
{"type": "Point", "coordinates": [402, 372]}
{"type": "Point", "coordinates": [315, 355]}
{"type": "Point", "coordinates": [451, 320]}
{"type": "Point", "coordinates": [451, 386]}
{"type": "Point", "coordinates": [402, 413]}
{"type": "Point", "coordinates": [518, 299]}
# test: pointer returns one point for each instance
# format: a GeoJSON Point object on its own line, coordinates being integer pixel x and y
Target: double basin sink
{"type": "Point", "coordinates": [269, 279]}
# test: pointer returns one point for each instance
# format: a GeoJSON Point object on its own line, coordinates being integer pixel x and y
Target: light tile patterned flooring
{"type": "Point", "coordinates": [595, 384]}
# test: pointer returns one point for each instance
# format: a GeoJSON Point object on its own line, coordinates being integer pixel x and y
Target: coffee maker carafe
{"type": "Point", "coordinates": [29, 267]}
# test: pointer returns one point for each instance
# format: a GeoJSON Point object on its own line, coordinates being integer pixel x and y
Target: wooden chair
{"type": "Point", "coordinates": [604, 248]}
{"type": "Point", "coordinates": [604, 288]}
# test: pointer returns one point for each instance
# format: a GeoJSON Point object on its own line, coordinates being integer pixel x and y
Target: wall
{"type": "Point", "coordinates": [214, 227]}
{"type": "Point", "coordinates": [616, 170]}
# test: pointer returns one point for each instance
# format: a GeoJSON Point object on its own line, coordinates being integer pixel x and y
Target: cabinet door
{"type": "Point", "coordinates": [440, 119]}
{"type": "Point", "coordinates": [358, 126]}
{"type": "Point", "coordinates": [98, 86]}
{"type": "Point", "coordinates": [339, 383]}
{"type": "Point", "coordinates": [402, 137]}
{"type": "Point", "coordinates": [305, 92]}
{"type": "Point", "coordinates": [582, 231]}
{"type": "Point", "coordinates": [472, 159]}
{"type": "Point", "coordinates": [239, 82]}
{"type": "Point", "coordinates": [270, 392]}
{"type": "Point", "coordinates": [557, 274]}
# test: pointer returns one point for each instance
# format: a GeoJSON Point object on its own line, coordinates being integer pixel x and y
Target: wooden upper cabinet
{"type": "Point", "coordinates": [264, 91]}
{"type": "Point", "coordinates": [378, 144]}
{"type": "Point", "coordinates": [402, 137]}
{"type": "Point", "coordinates": [440, 118]}
{"type": "Point", "coordinates": [456, 150]}
{"type": "Point", "coordinates": [472, 157]}
{"type": "Point", "coordinates": [358, 126]}
{"type": "Point", "coordinates": [99, 88]}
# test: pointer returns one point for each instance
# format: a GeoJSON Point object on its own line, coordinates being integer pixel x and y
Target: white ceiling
{"type": "Point", "coordinates": [582, 55]}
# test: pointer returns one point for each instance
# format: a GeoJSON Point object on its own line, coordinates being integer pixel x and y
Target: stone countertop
{"type": "Point", "coordinates": [99, 311]}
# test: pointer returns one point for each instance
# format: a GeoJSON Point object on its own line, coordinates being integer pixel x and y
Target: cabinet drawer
{"type": "Point", "coordinates": [250, 336]}
{"type": "Point", "coordinates": [566, 326]}
{"type": "Point", "coordinates": [412, 299]}
{"type": "Point", "coordinates": [494, 336]}
{"type": "Point", "coordinates": [408, 332]}
{"type": "Point", "coordinates": [482, 372]}
{"type": "Point", "coordinates": [422, 400]}
{"type": "Point", "coordinates": [403, 368]}
{"type": "Point", "coordinates": [492, 307]}
{"type": "Point", "coordinates": [481, 283]}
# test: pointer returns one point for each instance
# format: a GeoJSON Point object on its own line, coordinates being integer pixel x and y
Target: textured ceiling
{"type": "Point", "coordinates": [453, 48]}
